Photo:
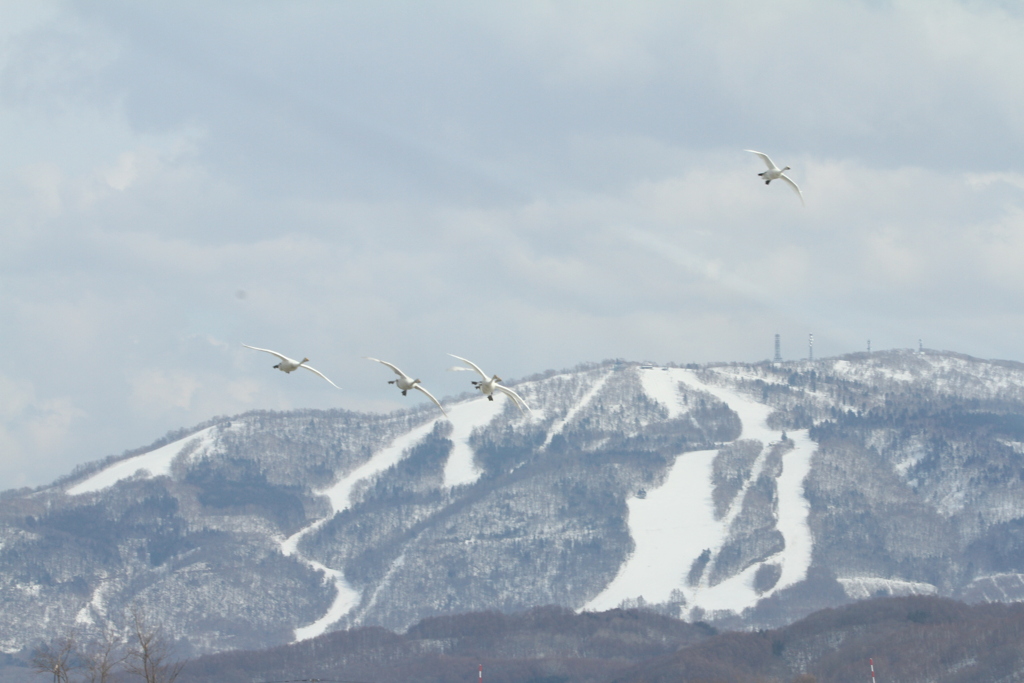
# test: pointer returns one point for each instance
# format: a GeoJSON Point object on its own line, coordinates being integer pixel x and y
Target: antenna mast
{"type": "Point", "coordinates": [778, 349]}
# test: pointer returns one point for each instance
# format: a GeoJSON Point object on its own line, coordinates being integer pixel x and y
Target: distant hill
{"type": "Point", "coordinates": [912, 640]}
{"type": "Point", "coordinates": [746, 496]}
{"type": "Point", "coordinates": [545, 644]}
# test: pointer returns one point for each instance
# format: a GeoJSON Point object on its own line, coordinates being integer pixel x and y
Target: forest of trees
{"type": "Point", "coordinates": [911, 639]}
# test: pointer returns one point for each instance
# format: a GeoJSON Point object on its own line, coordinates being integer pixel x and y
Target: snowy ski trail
{"type": "Point", "coordinates": [459, 469]}
{"type": "Point", "coordinates": [559, 425]}
{"type": "Point", "coordinates": [339, 494]}
{"type": "Point", "coordinates": [675, 523]}
{"type": "Point", "coordinates": [156, 463]}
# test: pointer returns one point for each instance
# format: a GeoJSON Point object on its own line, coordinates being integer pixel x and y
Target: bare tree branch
{"type": "Point", "coordinates": [149, 654]}
{"type": "Point", "coordinates": [55, 658]}
{"type": "Point", "coordinates": [101, 657]}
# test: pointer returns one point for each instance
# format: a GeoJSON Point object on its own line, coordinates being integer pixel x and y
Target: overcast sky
{"type": "Point", "coordinates": [527, 184]}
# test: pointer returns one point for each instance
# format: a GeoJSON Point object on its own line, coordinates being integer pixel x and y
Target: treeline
{"type": "Point", "coordinates": [913, 639]}
{"type": "Point", "coordinates": [542, 645]}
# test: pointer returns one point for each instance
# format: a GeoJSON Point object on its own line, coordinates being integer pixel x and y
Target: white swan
{"type": "Point", "coordinates": [488, 385]}
{"type": "Point", "coordinates": [775, 173]}
{"type": "Point", "coordinates": [289, 365]}
{"type": "Point", "coordinates": [405, 383]}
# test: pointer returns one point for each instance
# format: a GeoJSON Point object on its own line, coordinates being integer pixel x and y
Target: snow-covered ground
{"type": "Point", "coordinates": [156, 463]}
{"type": "Point", "coordinates": [998, 588]}
{"type": "Point", "coordinates": [862, 587]}
{"type": "Point", "coordinates": [662, 385]}
{"type": "Point", "coordinates": [339, 494]}
{"type": "Point", "coordinates": [676, 522]}
{"type": "Point", "coordinates": [345, 599]}
{"type": "Point", "coordinates": [559, 425]}
{"type": "Point", "coordinates": [460, 469]}
{"type": "Point", "coordinates": [670, 528]}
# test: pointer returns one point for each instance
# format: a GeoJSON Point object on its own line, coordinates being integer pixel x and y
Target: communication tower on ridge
{"type": "Point", "coordinates": [810, 347]}
{"type": "Point", "coordinates": [778, 349]}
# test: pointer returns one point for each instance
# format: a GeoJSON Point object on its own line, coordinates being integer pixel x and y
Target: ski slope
{"type": "Point", "coordinates": [676, 522]}
{"type": "Point", "coordinates": [156, 463]}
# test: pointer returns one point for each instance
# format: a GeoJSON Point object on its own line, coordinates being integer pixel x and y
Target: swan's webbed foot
{"type": "Point", "coordinates": [404, 394]}
{"type": "Point", "coordinates": [767, 182]}
{"type": "Point", "coordinates": [490, 398]}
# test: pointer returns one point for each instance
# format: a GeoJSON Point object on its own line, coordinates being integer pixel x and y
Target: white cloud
{"type": "Point", "coordinates": [33, 433]}
{"type": "Point", "coordinates": [159, 390]}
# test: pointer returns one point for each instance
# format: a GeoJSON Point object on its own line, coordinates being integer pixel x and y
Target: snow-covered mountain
{"type": "Point", "coordinates": [745, 495]}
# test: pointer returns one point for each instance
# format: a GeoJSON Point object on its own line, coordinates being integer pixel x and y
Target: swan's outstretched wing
{"type": "Point", "coordinates": [431, 397]}
{"type": "Point", "coordinates": [321, 374]}
{"type": "Point", "coordinates": [273, 353]}
{"type": "Point", "coordinates": [470, 364]}
{"type": "Point", "coordinates": [384, 362]}
{"type": "Point", "coordinates": [764, 157]}
{"type": "Point", "coordinates": [793, 185]}
{"type": "Point", "coordinates": [520, 403]}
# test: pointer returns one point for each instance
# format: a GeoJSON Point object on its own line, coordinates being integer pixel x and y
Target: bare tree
{"type": "Point", "coordinates": [55, 658]}
{"type": "Point", "coordinates": [149, 652]}
{"type": "Point", "coordinates": [100, 657]}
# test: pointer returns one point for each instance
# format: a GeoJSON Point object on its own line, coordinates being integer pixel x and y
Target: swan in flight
{"type": "Point", "coordinates": [405, 383]}
{"type": "Point", "coordinates": [289, 365]}
{"type": "Point", "coordinates": [488, 385]}
{"type": "Point", "coordinates": [775, 173]}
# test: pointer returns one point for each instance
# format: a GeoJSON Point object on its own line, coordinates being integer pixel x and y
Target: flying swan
{"type": "Point", "coordinates": [775, 173]}
{"type": "Point", "coordinates": [405, 383]}
{"type": "Point", "coordinates": [488, 385]}
{"type": "Point", "coordinates": [289, 365]}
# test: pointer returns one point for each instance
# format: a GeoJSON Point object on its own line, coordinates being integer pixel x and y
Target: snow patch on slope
{"type": "Point", "coordinates": [863, 587]}
{"type": "Point", "coordinates": [96, 608]}
{"type": "Point", "coordinates": [996, 588]}
{"type": "Point", "coordinates": [340, 494]}
{"type": "Point", "coordinates": [662, 385]}
{"type": "Point", "coordinates": [670, 528]}
{"type": "Point", "coordinates": [676, 522]}
{"type": "Point", "coordinates": [460, 469]}
{"type": "Point", "coordinates": [156, 463]}
{"type": "Point", "coordinates": [344, 601]}
{"type": "Point", "coordinates": [557, 428]}
{"type": "Point", "coordinates": [795, 510]}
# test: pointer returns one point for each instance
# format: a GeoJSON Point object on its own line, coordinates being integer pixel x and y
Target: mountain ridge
{"type": "Point", "coordinates": [744, 494]}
